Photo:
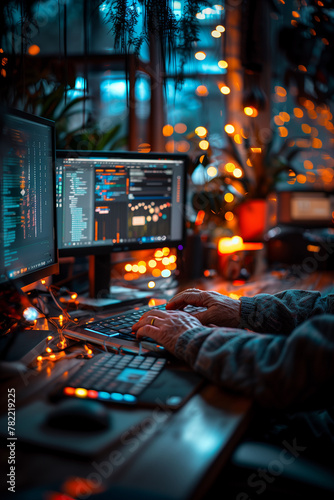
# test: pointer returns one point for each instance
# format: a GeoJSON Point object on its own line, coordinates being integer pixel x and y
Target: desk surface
{"type": "Point", "coordinates": [168, 455]}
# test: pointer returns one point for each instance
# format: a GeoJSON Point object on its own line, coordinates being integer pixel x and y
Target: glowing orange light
{"type": "Point", "coordinates": [251, 111]}
{"type": "Point", "coordinates": [33, 50]}
{"type": "Point", "coordinates": [316, 143]}
{"type": "Point", "coordinates": [167, 130]}
{"type": "Point", "coordinates": [306, 128]}
{"type": "Point", "coordinates": [256, 150]}
{"type": "Point", "coordinates": [74, 296]}
{"type": "Point", "coordinates": [144, 147]}
{"type": "Point", "coordinates": [201, 90]}
{"type": "Point", "coordinates": [298, 112]}
{"type": "Point", "coordinates": [39, 358]}
{"type": "Point", "coordinates": [283, 131]}
{"type": "Point", "coordinates": [301, 179]}
{"type": "Point", "coordinates": [229, 167]}
{"type": "Point", "coordinates": [49, 338]}
{"type": "Point", "coordinates": [302, 68]}
{"type": "Point", "coordinates": [70, 391]}
{"type": "Point", "coordinates": [229, 129]}
{"type": "Point", "coordinates": [295, 14]}
{"type": "Point", "coordinates": [230, 245]}
{"type": "Point", "coordinates": [180, 128]}
{"type": "Point", "coordinates": [280, 91]}
{"type": "Point", "coordinates": [308, 165]}
{"type": "Point", "coordinates": [229, 216]}
{"type": "Point", "coordinates": [156, 273]}
{"type": "Point", "coordinates": [199, 218]}
{"type": "Point", "coordinates": [128, 267]}
{"type": "Point", "coordinates": [151, 284]}
{"type": "Point", "coordinates": [228, 197]}
{"type": "Point", "coordinates": [48, 349]}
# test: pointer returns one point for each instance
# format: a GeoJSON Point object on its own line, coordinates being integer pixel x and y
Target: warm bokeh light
{"type": "Point", "coordinates": [303, 68]}
{"type": "Point", "coordinates": [229, 129]}
{"type": "Point", "coordinates": [228, 197]}
{"type": "Point", "coordinates": [237, 172]}
{"type": "Point", "coordinates": [33, 50]}
{"type": "Point", "coordinates": [283, 131]}
{"type": "Point", "coordinates": [144, 147]}
{"type": "Point", "coordinates": [280, 91]}
{"type": "Point", "coordinates": [212, 171]}
{"type": "Point", "coordinates": [201, 131]}
{"type": "Point", "coordinates": [306, 128]}
{"type": "Point", "coordinates": [200, 56]}
{"type": "Point", "coordinates": [182, 146]}
{"type": "Point", "coordinates": [128, 268]}
{"type": "Point", "coordinates": [229, 216]}
{"type": "Point", "coordinates": [316, 143]}
{"type": "Point", "coordinates": [204, 145]}
{"type": "Point", "coordinates": [216, 34]}
{"type": "Point", "coordinates": [298, 112]}
{"type": "Point", "coordinates": [251, 111]}
{"type": "Point", "coordinates": [222, 64]}
{"type": "Point", "coordinates": [220, 28]}
{"type": "Point", "coordinates": [229, 167]}
{"type": "Point", "coordinates": [201, 90]}
{"type": "Point", "coordinates": [151, 284]}
{"type": "Point", "coordinates": [224, 89]}
{"type": "Point", "coordinates": [285, 116]}
{"type": "Point", "coordinates": [169, 146]}
{"type": "Point", "coordinates": [167, 130]}
{"type": "Point", "coordinates": [301, 178]}
{"type": "Point", "coordinates": [230, 245]}
{"type": "Point", "coordinates": [278, 120]}
{"type": "Point", "coordinates": [237, 138]}
{"type": "Point", "coordinates": [180, 128]}
{"type": "Point", "coordinates": [308, 165]}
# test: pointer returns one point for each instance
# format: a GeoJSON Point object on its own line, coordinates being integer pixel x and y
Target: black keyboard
{"type": "Point", "coordinates": [130, 380]}
{"type": "Point", "coordinates": [120, 325]}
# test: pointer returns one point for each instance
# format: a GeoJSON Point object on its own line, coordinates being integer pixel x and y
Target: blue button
{"type": "Point", "coordinates": [129, 398]}
{"type": "Point", "coordinates": [116, 396]}
{"type": "Point", "coordinates": [104, 395]}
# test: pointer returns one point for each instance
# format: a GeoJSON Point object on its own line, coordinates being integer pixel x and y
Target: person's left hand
{"type": "Point", "coordinates": [165, 327]}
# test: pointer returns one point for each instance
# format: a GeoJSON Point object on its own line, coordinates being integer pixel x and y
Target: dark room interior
{"type": "Point", "coordinates": [167, 249]}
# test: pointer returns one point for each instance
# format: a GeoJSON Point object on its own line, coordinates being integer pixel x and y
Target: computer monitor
{"type": "Point", "coordinates": [119, 201]}
{"type": "Point", "coordinates": [28, 238]}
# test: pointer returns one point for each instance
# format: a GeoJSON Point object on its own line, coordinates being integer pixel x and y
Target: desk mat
{"type": "Point", "coordinates": [30, 428]}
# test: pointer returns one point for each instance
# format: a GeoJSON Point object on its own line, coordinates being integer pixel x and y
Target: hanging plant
{"type": "Point", "coordinates": [135, 22]}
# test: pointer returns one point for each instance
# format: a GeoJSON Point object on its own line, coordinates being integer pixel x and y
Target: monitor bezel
{"type": "Point", "coordinates": [125, 247]}
{"type": "Point", "coordinates": [31, 277]}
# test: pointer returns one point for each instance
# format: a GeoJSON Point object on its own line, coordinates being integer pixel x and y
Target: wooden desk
{"type": "Point", "coordinates": [170, 455]}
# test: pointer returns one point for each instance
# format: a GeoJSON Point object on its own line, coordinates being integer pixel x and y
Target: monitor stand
{"type": "Point", "coordinates": [101, 293]}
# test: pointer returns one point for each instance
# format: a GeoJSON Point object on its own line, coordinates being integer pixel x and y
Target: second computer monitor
{"type": "Point", "coordinates": [108, 201]}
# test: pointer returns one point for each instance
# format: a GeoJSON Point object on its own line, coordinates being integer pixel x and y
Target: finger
{"type": "Point", "coordinates": [148, 319]}
{"type": "Point", "coordinates": [147, 331]}
{"type": "Point", "coordinates": [188, 297]}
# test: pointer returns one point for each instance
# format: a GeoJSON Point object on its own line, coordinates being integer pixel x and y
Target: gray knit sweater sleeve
{"type": "Point", "coordinates": [282, 368]}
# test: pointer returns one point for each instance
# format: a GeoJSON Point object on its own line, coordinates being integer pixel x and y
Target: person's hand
{"type": "Point", "coordinates": [221, 310]}
{"type": "Point", "coordinates": [164, 327]}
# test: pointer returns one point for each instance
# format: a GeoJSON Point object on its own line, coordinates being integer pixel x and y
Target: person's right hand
{"type": "Point", "coordinates": [221, 310]}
